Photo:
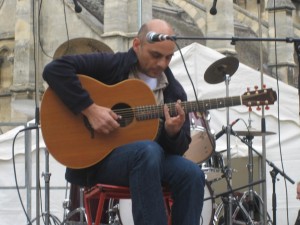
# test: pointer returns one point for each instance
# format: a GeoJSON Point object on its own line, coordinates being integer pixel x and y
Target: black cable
{"type": "Point", "coordinates": [40, 43]}
{"type": "Point", "coordinates": [278, 113]}
{"type": "Point", "coordinates": [15, 173]}
{"type": "Point", "coordinates": [67, 29]}
{"type": "Point", "coordinates": [196, 97]}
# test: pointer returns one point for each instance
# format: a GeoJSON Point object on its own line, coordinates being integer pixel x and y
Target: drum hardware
{"type": "Point", "coordinates": [237, 202]}
{"type": "Point", "coordinates": [273, 174]}
{"type": "Point", "coordinates": [80, 209]}
{"type": "Point", "coordinates": [113, 211]}
{"type": "Point", "coordinates": [214, 167]}
{"type": "Point", "coordinates": [230, 201]}
{"type": "Point", "coordinates": [221, 71]}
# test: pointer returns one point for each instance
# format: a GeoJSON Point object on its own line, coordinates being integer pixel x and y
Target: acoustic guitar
{"type": "Point", "coordinates": [72, 142]}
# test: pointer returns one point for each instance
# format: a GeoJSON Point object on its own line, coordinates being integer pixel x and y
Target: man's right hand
{"type": "Point", "coordinates": [102, 119]}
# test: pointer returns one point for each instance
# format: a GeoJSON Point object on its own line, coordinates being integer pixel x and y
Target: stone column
{"type": "Point", "coordinates": [220, 25]}
{"type": "Point", "coordinates": [139, 12]}
{"type": "Point", "coordinates": [121, 21]}
{"type": "Point", "coordinates": [284, 51]}
{"type": "Point", "coordinates": [116, 24]}
{"type": "Point", "coordinates": [23, 77]}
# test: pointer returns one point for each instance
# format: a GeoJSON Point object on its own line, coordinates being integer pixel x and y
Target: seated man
{"type": "Point", "coordinates": [142, 165]}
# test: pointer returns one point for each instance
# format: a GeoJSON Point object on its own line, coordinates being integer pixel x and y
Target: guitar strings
{"type": "Point", "coordinates": [155, 111]}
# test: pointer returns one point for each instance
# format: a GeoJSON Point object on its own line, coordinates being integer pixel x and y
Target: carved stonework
{"type": "Point", "coordinates": [6, 65]}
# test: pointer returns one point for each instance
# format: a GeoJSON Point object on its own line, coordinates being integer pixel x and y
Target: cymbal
{"type": "Point", "coordinates": [216, 72]}
{"type": "Point", "coordinates": [253, 133]}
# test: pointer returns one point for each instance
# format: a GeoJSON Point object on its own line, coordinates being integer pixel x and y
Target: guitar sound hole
{"type": "Point", "coordinates": [125, 112]}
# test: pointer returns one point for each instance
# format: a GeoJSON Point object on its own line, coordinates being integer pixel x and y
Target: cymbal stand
{"type": "Point", "coordinates": [229, 170]}
{"type": "Point", "coordinates": [250, 166]}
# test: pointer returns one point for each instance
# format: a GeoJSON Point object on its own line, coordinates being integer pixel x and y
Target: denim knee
{"type": "Point", "coordinates": [150, 154]}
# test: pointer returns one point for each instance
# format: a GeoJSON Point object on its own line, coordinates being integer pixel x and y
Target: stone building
{"type": "Point", "coordinates": [32, 33]}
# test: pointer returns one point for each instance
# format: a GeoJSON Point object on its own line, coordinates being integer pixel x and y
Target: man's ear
{"type": "Point", "coordinates": [136, 44]}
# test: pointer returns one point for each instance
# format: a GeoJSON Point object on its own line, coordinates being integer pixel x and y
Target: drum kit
{"type": "Point", "coordinates": [245, 206]}
{"type": "Point", "coordinates": [202, 151]}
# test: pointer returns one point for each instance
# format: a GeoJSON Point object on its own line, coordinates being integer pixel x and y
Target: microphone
{"type": "Point", "coordinates": [213, 10]}
{"type": "Point", "coordinates": [152, 37]}
{"type": "Point", "coordinates": [77, 8]}
{"type": "Point", "coordinates": [223, 131]}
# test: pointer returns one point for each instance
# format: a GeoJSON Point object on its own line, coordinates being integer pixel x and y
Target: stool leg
{"type": "Point", "coordinates": [88, 211]}
{"type": "Point", "coordinates": [168, 204]}
{"type": "Point", "coordinates": [100, 207]}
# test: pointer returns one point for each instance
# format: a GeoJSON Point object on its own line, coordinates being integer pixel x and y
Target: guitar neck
{"type": "Point", "coordinates": [156, 111]}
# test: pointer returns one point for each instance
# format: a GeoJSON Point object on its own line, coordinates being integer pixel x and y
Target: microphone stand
{"type": "Point", "coordinates": [235, 39]}
{"type": "Point", "coordinates": [45, 174]}
{"type": "Point", "coordinates": [273, 173]}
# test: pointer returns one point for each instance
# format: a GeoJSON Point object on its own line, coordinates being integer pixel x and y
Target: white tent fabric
{"type": "Point", "coordinates": [198, 58]}
{"type": "Point", "coordinates": [11, 210]}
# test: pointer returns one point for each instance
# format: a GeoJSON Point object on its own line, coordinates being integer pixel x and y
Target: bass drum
{"type": "Point", "coordinates": [203, 142]}
{"type": "Point", "coordinates": [125, 207]}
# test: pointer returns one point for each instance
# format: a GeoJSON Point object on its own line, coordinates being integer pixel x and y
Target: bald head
{"type": "Point", "coordinates": [157, 26]}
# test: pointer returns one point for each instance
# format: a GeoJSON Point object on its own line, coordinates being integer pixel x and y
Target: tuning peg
{"type": "Point", "coordinates": [264, 86]}
{"type": "Point", "coordinates": [250, 109]}
{"type": "Point", "coordinates": [248, 91]}
{"type": "Point", "coordinates": [267, 107]}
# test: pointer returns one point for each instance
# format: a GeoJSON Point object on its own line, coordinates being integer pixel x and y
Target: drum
{"type": "Point", "coordinates": [203, 143]}
{"type": "Point", "coordinates": [208, 210]}
{"type": "Point", "coordinates": [213, 167]}
{"type": "Point", "coordinates": [205, 219]}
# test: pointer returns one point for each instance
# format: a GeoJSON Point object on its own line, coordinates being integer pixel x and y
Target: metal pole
{"type": "Point", "coordinates": [28, 171]}
{"type": "Point", "coordinates": [37, 70]}
{"type": "Point", "coordinates": [140, 12]}
{"type": "Point", "coordinates": [46, 176]}
{"type": "Point", "coordinates": [229, 172]}
{"type": "Point", "coordinates": [263, 128]}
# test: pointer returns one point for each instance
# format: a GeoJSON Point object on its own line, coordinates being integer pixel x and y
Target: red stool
{"type": "Point", "coordinates": [104, 192]}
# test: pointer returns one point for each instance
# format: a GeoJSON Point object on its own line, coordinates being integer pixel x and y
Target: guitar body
{"type": "Point", "coordinates": [68, 138]}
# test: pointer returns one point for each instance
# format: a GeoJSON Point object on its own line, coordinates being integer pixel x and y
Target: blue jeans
{"type": "Point", "coordinates": [144, 166]}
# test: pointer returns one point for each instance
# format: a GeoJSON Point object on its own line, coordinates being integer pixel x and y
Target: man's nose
{"type": "Point", "coordinates": [163, 62]}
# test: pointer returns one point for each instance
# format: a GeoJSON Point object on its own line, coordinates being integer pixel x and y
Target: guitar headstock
{"type": "Point", "coordinates": [259, 98]}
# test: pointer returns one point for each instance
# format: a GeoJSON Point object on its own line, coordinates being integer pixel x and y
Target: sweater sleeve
{"type": "Point", "coordinates": [61, 76]}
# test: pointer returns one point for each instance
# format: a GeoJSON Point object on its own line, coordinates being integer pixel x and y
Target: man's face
{"type": "Point", "coordinates": [154, 58]}
{"type": "Point", "coordinates": [298, 192]}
